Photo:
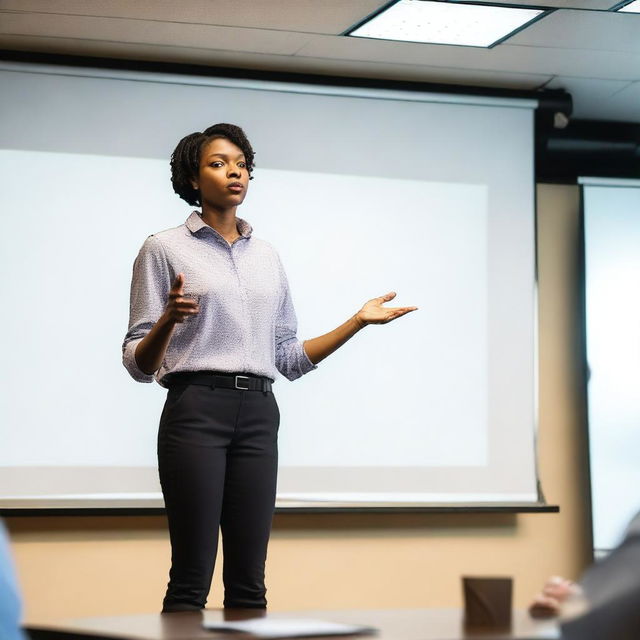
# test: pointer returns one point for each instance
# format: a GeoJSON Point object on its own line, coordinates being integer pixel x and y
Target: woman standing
{"type": "Point", "coordinates": [211, 319]}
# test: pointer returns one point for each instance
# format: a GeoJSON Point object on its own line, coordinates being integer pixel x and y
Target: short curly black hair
{"type": "Point", "coordinates": [185, 159]}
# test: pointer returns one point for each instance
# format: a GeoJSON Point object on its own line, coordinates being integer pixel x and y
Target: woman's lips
{"type": "Point", "coordinates": [235, 188]}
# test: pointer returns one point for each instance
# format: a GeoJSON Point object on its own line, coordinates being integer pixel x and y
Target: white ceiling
{"type": "Point", "coordinates": [592, 53]}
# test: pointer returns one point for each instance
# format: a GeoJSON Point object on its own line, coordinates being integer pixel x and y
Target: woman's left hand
{"type": "Point", "coordinates": [374, 313]}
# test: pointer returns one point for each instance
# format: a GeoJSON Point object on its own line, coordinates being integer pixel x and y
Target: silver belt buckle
{"type": "Point", "coordinates": [242, 388]}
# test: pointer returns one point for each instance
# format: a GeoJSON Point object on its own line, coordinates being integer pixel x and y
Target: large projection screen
{"type": "Point", "coordinates": [362, 191]}
{"type": "Point", "coordinates": [611, 210]}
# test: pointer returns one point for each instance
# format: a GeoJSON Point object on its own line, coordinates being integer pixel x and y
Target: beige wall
{"type": "Point", "coordinates": [70, 567]}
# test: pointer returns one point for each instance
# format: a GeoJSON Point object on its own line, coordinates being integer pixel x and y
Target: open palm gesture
{"type": "Point", "coordinates": [374, 313]}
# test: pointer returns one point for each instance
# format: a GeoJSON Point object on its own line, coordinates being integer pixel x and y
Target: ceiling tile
{"type": "Point", "coordinates": [592, 99]}
{"type": "Point", "coordinates": [623, 105]}
{"type": "Point", "coordinates": [312, 16]}
{"type": "Point", "coordinates": [594, 30]}
{"type": "Point", "coordinates": [585, 63]}
{"type": "Point", "coordinates": [146, 32]}
{"type": "Point", "coordinates": [503, 58]}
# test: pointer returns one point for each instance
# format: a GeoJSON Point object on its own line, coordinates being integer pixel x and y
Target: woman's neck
{"type": "Point", "coordinates": [224, 222]}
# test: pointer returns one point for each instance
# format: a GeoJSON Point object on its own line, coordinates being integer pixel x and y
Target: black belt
{"type": "Point", "coordinates": [239, 381]}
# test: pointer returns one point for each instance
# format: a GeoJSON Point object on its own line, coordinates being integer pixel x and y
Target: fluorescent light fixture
{"type": "Point", "coordinates": [630, 7]}
{"type": "Point", "coordinates": [436, 22]}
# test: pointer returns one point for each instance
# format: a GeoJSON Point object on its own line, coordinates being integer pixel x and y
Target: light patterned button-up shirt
{"type": "Point", "coordinates": [246, 322]}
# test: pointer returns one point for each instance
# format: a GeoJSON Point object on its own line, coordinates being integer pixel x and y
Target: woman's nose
{"type": "Point", "coordinates": [233, 171]}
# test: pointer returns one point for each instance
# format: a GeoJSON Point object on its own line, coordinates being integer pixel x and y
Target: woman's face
{"type": "Point", "coordinates": [223, 177]}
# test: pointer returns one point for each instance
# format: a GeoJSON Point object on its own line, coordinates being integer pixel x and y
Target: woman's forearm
{"type": "Point", "coordinates": [372, 312]}
{"type": "Point", "coordinates": [152, 348]}
{"type": "Point", "coordinates": [319, 348]}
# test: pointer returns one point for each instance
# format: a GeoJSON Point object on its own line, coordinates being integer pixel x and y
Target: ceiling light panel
{"type": "Point", "coordinates": [436, 22]}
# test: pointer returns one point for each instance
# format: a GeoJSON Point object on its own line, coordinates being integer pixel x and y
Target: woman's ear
{"type": "Point", "coordinates": [194, 184]}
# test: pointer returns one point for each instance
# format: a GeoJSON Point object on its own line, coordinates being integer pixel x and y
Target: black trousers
{"type": "Point", "coordinates": [218, 458]}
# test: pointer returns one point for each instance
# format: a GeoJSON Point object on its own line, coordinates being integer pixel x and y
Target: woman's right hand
{"type": "Point", "coordinates": [179, 307]}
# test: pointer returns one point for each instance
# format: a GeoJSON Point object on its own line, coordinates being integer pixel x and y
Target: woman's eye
{"type": "Point", "coordinates": [242, 165]}
{"type": "Point", "coordinates": [216, 164]}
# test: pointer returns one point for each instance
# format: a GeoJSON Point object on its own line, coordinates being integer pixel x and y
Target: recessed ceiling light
{"type": "Point", "coordinates": [436, 22]}
{"type": "Point", "coordinates": [629, 7]}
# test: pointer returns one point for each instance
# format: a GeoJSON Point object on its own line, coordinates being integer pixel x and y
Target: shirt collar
{"type": "Point", "coordinates": [195, 223]}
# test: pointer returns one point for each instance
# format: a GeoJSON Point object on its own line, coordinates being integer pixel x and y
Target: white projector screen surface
{"type": "Point", "coordinates": [361, 194]}
{"type": "Point", "coordinates": [612, 283]}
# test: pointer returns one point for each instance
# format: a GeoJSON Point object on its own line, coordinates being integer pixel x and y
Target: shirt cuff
{"type": "Point", "coordinates": [305, 364]}
{"type": "Point", "coordinates": [129, 361]}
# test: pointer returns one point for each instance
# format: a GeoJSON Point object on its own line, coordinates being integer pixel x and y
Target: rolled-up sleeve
{"type": "Point", "coordinates": [150, 285]}
{"type": "Point", "coordinates": [291, 359]}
